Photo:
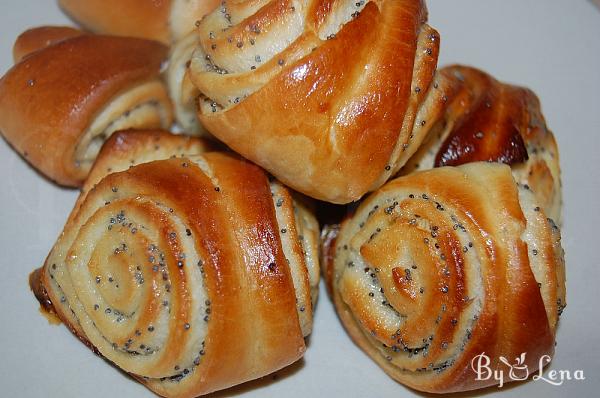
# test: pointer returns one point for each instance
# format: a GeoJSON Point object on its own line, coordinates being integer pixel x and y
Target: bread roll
{"type": "Point", "coordinates": [59, 104]}
{"type": "Point", "coordinates": [485, 120]}
{"type": "Point", "coordinates": [440, 266]}
{"type": "Point", "coordinates": [191, 274]}
{"type": "Point", "coordinates": [331, 97]}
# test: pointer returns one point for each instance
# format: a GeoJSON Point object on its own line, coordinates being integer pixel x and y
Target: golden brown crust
{"type": "Point", "coordinates": [148, 19]}
{"type": "Point", "coordinates": [440, 266]}
{"type": "Point", "coordinates": [213, 300]}
{"type": "Point", "coordinates": [322, 94]}
{"type": "Point", "coordinates": [58, 122]}
{"type": "Point", "coordinates": [486, 120]}
{"type": "Point", "coordinates": [489, 125]}
{"type": "Point", "coordinates": [127, 148]}
{"type": "Point", "coordinates": [41, 37]}
{"type": "Point", "coordinates": [164, 20]}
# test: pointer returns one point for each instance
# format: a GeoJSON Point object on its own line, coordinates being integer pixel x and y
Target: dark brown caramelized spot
{"type": "Point", "coordinates": [490, 131]}
{"type": "Point", "coordinates": [38, 289]}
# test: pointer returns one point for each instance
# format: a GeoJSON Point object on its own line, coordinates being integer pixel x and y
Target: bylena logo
{"type": "Point", "coordinates": [520, 371]}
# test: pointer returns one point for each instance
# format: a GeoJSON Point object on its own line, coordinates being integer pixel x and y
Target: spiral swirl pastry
{"type": "Point", "coordinates": [191, 274]}
{"type": "Point", "coordinates": [71, 91]}
{"type": "Point", "coordinates": [439, 266]}
{"type": "Point", "coordinates": [331, 97]}
{"type": "Point", "coordinates": [486, 120]}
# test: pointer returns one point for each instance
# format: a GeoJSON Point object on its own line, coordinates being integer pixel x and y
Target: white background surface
{"type": "Point", "coordinates": [551, 46]}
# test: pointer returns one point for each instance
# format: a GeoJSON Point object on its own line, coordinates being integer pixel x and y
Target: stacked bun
{"type": "Point", "coordinates": [485, 120]}
{"type": "Point", "coordinates": [324, 95]}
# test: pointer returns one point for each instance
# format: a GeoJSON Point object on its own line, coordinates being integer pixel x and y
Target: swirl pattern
{"type": "Point", "coordinates": [331, 97]}
{"type": "Point", "coordinates": [163, 266]}
{"type": "Point", "coordinates": [439, 266]}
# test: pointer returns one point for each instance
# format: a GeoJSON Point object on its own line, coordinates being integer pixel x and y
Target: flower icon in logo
{"type": "Point", "coordinates": [518, 371]}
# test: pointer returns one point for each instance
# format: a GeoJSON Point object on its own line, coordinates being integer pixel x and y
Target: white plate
{"type": "Point", "coordinates": [551, 46]}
